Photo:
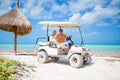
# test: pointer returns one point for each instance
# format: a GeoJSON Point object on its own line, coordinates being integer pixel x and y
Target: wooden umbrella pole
{"type": "Point", "coordinates": [15, 43]}
{"type": "Point", "coordinates": [17, 3]}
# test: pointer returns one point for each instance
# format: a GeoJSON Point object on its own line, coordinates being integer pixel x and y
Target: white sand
{"type": "Point", "coordinates": [101, 68]}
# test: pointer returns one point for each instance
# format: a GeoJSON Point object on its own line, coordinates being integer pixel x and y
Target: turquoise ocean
{"type": "Point", "coordinates": [93, 47]}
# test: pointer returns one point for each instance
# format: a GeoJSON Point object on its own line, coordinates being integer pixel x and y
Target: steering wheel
{"type": "Point", "coordinates": [71, 42]}
{"type": "Point", "coordinates": [69, 38]}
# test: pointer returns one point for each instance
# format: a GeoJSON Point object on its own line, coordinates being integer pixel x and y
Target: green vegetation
{"type": "Point", "coordinates": [8, 69]}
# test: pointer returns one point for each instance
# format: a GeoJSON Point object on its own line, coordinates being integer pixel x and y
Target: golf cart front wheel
{"type": "Point", "coordinates": [76, 60]}
{"type": "Point", "coordinates": [42, 56]}
{"type": "Point", "coordinates": [88, 61]}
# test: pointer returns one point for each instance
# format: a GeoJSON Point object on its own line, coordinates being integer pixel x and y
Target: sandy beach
{"type": "Point", "coordinates": [104, 66]}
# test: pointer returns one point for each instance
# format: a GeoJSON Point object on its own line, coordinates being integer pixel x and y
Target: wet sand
{"type": "Point", "coordinates": [33, 52]}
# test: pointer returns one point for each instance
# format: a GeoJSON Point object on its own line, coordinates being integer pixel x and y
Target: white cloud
{"type": "Point", "coordinates": [95, 33]}
{"type": "Point", "coordinates": [95, 16]}
{"type": "Point", "coordinates": [30, 9]}
{"type": "Point", "coordinates": [75, 17]}
{"type": "Point", "coordinates": [43, 28]}
{"type": "Point", "coordinates": [5, 6]}
{"type": "Point", "coordinates": [102, 23]}
{"type": "Point", "coordinates": [114, 3]}
{"type": "Point", "coordinates": [62, 9]}
{"type": "Point", "coordinates": [92, 34]}
{"type": "Point", "coordinates": [36, 9]}
{"type": "Point", "coordinates": [83, 4]}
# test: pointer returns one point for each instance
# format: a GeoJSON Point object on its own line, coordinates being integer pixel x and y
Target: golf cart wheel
{"type": "Point", "coordinates": [88, 60]}
{"type": "Point", "coordinates": [55, 58]}
{"type": "Point", "coordinates": [42, 56]}
{"type": "Point", "coordinates": [76, 60]}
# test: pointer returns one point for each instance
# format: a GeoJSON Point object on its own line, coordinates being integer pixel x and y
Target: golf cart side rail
{"type": "Point", "coordinates": [39, 38]}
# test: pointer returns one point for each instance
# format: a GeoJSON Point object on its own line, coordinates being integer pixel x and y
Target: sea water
{"type": "Point", "coordinates": [19, 46]}
{"type": "Point", "coordinates": [104, 47]}
{"type": "Point", "coordinates": [92, 47]}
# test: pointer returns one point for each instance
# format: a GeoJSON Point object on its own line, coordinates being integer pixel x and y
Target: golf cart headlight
{"type": "Point", "coordinates": [86, 49]}
{"type": "Point", "coordinates": [83, 49]}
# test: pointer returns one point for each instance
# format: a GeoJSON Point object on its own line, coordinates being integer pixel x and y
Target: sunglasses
{"type": "Point", "coordinates": [61, 31]}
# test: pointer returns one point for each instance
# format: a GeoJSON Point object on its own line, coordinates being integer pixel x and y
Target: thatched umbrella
{"type": "Point", "coordinates": [14, 21]}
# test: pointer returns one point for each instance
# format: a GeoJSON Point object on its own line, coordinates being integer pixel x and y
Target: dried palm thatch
{"type": "Point", "coordinates": [15, 21]}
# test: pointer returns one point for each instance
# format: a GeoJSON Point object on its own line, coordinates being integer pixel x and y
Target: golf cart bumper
{"type": "Point", "coordinates": [86, 56]}
{"type": "Point", "coordinates": [83, 51]}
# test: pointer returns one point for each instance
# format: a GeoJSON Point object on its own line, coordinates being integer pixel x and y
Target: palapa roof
{"type": "Point", "coordinates": [15, 21]}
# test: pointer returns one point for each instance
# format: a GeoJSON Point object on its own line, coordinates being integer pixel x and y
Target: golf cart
{"type": "Point", "coordinates": [77, 55]}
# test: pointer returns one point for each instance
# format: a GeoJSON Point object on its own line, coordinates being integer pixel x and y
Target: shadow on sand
{"type": "Point", "coordinates": [27, 54]}
{"type": "Point", "coordinates": [66, 62]}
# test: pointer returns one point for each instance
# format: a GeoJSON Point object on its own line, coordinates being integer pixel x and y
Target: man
{"type": "Point", "coordinates": [61, 37]}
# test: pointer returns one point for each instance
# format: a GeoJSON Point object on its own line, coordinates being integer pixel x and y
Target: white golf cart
{"type": "Point", "coordinates": [77, 55]}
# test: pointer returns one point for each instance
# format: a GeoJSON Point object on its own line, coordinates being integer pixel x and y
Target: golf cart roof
{"type": "Point", "coordinates": [59, 24]}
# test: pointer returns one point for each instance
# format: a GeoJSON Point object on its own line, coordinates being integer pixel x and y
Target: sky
{"type": "Point", "coordinates": [99, 19]}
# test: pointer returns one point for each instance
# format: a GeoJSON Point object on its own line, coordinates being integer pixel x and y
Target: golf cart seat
{"type": "Point", "coordinates": [52, 42]}
{"type": "Point", "coordinates": [43, 43]}
{"type": "Point", "coordinates": [61, 52]}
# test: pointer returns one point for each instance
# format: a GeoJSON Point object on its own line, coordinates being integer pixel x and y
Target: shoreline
{"type": "Point", "coordinates": [34, 52]}
{"type": "Point", "coordinates": [106, 54]}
